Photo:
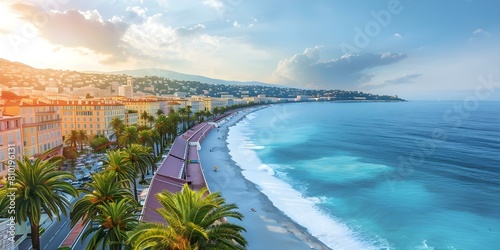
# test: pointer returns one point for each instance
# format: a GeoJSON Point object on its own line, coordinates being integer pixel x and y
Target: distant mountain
{"type": "Point", "coordinates": [185, 77]}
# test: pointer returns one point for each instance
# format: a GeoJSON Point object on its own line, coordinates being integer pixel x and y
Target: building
{"type": "Point", "coordinates": [302, 98]}
{"type": "Point", "coordinates": [196, 105]}
{"type": "Point", "coordinates": [93, 116]}
{"type": "Point", "coordinates": [125, 90]}
{"type": "Point", "coordinates": [131, 118]}
{"type": "Point", "coordinates": [41, 125]}
{"type": "Point", "coordinates": [212, 103]}
{"type": "Point", "coordinates": [149, 104]}
{"type": "Point", "coordinates": [10, 140]}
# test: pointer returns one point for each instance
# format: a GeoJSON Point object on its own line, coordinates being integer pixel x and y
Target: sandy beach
{"type": "Point", "coordinates": [267, 227]}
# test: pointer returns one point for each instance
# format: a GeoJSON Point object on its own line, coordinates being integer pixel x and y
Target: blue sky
{"type": "Point", "coordinates": [417, 49]}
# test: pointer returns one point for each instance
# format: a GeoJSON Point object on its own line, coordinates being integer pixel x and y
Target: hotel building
{"type": "Point", "coordinates": [93, 116]}
{"type": "Point", "coordinates": [148, 104]}
{"type": "Point", "coordinates": [10, 140]}
{"type": "Point", "coordinates": [41, 126]}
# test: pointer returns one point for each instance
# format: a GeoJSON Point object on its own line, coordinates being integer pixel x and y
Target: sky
{"type": "Point", "coordinates": [416, 49]}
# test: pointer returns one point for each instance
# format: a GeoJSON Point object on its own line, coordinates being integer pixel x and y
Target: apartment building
{"type": "Point", "coordinates": [196, 105]}
{"type": "Point", "coordinates": [131, 118]}
{"type": "Point", "coordinates": [148, 104]}
{"type": "Point", "coordinates": [93, 116]}
{"type": "Point", "coordinates": [217, 102]}
{"type": "Point", "coordinates": [10, 140]}
{"type": "Point", "coordinates": [40, 124]}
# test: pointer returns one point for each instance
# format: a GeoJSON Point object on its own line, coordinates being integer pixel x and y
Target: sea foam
{"type": "Point", "coordinates": [293, 203]}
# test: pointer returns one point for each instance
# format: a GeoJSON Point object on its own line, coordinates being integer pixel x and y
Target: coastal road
{"type": "Point", "coordinates": [54, 234]}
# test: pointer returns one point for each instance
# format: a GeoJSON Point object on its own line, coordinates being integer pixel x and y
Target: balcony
{"type": "Point", "coordinates": [46, 112]}
{"type": "Point", "coordinates": [59, 120]}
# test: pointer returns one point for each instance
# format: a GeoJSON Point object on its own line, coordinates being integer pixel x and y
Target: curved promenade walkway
{"type": "Point", "coordinates": [182, 165]}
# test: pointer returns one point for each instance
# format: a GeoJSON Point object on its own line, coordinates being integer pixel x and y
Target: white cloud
{"type": "Point", "coordinates": [344, 72]}
{"type": "Point", "coordinates": [90, 15]}
{"type": "Point", "coordinates": [155, 44]}
{"type": "Point", "coordinates": [137, 10]}
{"type": "Point", "coordinates": [81, 29]}
{"type": "Point", "coordinates": [236, 24]}
{"type": "Point", "coordinates": [183, 31]}
{"type": "Point", "coordinates": [480, 32]}
{"type": "Point", "coordinates": [398, 35]}
{"type": "Point", "coordinates": [408, 78]}
{"type": "Point", "coordinates": [216, 4]}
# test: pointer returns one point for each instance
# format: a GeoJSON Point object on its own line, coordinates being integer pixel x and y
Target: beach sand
{"type": "Point", "coordinates": [267, 227]}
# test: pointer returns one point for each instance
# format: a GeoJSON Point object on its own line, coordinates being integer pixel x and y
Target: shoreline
{"type": "Point", "coordinates": [267, 226]}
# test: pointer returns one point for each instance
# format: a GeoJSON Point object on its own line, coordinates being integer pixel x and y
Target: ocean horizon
{"type": "Point", "coordinates": [396, 175]}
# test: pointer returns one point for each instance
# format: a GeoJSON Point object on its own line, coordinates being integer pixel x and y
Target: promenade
{"type": "Point", "coordinates": [182, 165]}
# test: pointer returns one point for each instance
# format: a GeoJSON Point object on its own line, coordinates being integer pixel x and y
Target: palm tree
{"type": "Point", "coordinates": [117, 126]}
{"type": "Point", "coordinates": [151, 120]}
{"type": "Point", "coordinates": [200, 116]}
{"type": "Point", "coordinates": [72, 139]}
{"type": "Point", "coordinates": [146, 137]}
{"type": "Point", "coordinates": [173, 124]}
{"type": "Point", "coordinates": [111, 225]}
{"type": "Point", "coordinates": [188, 114]}
{"type": "Point", "coordinates": [193, 217]}
{"type": "Point", "coordinates": [117, 163]}
{"type": "Point", "coordinates": [129, 136]}
{"type": "Point", "coordinates": [102, 189]}
{"type": "Point", "coordinates": [4, 202]}
{"type": "Point", "coordinates": [159, 112]}
{"type": "Point", "coordinates": [140, 159]}
{"type": "Point", "coordinates": [82, 138]}
{"type": "Point", "coordinates": [208, 114]}
{"type": "Point", "coordinates": [216, 111]}
{"type": "Point", "coordinates": [158, 144]}
{"type": "Point", "coordinates": [161, 126]}
{"type": "Point", "coordinates": [40, 186]}
{"type": "Point", "coordinates": [182, 115]}
{"type": "Point", "coordinates": [157, 236]}
{"type": "Point", "coordinates": [144, 116]}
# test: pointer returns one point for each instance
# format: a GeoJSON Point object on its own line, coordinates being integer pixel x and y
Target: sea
{"type": "Point", "coordinates": [389, 175]}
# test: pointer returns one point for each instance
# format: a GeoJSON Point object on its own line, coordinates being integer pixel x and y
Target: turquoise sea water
{"type": "Point", "coordinates": [413, 175]}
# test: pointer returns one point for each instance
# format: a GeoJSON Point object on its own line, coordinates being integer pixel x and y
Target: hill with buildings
{"type": "Point", "coordinates": [186, 77]}
{"type": "Point", "coordinates": [22, 79]}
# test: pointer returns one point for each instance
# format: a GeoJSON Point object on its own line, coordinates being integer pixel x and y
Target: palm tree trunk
{"type": "Point", "coordinates": [35, 236]}
{"type": "Point", "coordinates": [135, 190]}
